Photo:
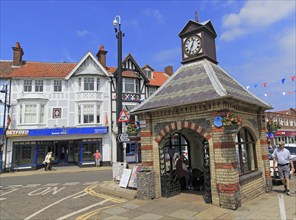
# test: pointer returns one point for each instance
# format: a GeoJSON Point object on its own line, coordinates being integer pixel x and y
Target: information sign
{"type": "Point", "coordinates": [133, 180]}
{"type": "Point", "coordinates": [125, 177]}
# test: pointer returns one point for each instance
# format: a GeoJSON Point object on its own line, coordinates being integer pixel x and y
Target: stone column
{"type": "Point", "coordinates": [227, 176]}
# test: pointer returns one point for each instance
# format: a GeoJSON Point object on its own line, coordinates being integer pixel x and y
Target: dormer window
{"type": "Point", "coordinates": [149, 74]}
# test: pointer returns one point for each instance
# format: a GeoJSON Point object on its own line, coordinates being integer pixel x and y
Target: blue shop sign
{"type": "Point", "coordinates": [56, 131]}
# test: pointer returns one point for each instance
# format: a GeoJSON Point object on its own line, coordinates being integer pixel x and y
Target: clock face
{"type": "Point", "coordinates": [192, 45]}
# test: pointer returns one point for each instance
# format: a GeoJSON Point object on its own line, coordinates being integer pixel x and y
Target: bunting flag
{"type": "Point", "coordinates": [283, 80]}
{"type": "Point", "coordinates": [264, 84]}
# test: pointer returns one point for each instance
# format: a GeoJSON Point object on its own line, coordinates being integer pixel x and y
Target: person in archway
{"type": "Point", "coordinates": [182, 171]}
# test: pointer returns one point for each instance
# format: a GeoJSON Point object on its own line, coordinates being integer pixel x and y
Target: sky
{"type": "Point", "coordinates": [255, 43]}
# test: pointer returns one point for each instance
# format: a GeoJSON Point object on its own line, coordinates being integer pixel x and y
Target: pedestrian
{"type": "Point", "coordinates": [182, 171]}
{"type": "Point", "coordinates": [48, 161]}
{"type": "Point", "coordinates": [97, 156]}
{"type": "Point", "coordinates": [285, 165]}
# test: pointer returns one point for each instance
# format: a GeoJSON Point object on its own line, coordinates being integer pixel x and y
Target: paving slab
{"type": "Point", "coordinates": [183, 214]}
{"type": "Point", "coordinates": [149, 216]}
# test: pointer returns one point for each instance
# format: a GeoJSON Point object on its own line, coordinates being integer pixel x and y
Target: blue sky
{"type": "Point", "coordinates": [255, 42]}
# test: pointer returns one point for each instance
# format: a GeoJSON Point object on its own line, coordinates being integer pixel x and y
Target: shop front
{"type": "Point", "coordinates": [28, 147]}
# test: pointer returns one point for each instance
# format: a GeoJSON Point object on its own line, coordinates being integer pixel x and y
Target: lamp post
{"type": "Point", "coordinates": [117, 26]}
{"type": "Point", "coordinates": [4, 90]}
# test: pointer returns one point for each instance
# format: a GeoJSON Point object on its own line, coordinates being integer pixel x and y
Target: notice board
{"type": "Point", "coordinates": [125, 177]}
{"type": "Point", "coordinates": [133, 179]}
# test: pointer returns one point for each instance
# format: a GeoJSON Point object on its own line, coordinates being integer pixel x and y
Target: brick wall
{"type": "Point", "coordinates": [226, 189]}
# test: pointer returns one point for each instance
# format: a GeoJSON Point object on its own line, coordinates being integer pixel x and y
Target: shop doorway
{"type": "Point", "coordinates": [61, 152]}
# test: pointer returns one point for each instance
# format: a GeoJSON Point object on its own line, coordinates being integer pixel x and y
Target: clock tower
{"type": "Point", "coordinates": [198, 42]}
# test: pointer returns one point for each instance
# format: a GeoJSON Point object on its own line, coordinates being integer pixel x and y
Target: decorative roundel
{"type": "Point", "coordinates": [192, 45]}
{"type": "Point", "coordinates": [218, 121]}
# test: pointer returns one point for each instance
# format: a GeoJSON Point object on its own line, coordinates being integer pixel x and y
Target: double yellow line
{"type": "Point", "coordinates": [89, 190]}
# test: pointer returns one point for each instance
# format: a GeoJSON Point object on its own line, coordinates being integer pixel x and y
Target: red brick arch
{"type": "Point", "coordinates": [178, 125]}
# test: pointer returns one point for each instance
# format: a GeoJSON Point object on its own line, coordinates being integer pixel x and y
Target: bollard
{"type": "Point", "coordinates": [282, 207]}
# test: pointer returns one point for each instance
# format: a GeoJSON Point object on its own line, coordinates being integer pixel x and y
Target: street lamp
{"type": "Point", "coordinates": [4, 90]}
{"type": "Point", "coordinates": [117, 26]}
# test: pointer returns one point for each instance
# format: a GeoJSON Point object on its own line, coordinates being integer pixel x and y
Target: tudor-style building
{"type": "Point", "coordinates": [67, 108]}
{"type": "Point", "coordinates": [185, 117]}
{"type": "Point", "coordinates": [137, 85]}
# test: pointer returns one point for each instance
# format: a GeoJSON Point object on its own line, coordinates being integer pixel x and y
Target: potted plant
{"type": "Point", "coordinates": [231, 122]}
{"type": "Point", "coordinates": [272, 126]}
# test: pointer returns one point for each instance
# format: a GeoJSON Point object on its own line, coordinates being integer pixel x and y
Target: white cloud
{"type": "Point", "coordinates": [156, 14]}
{"type": "Point", "coordinates": [254, 15]}
{"type": "Point", "coordinates": [167, 55]}
{"type": "Point", "coordinates": [82, 33]}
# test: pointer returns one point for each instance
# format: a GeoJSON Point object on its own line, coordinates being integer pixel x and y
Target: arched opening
{"type": "Point", "coordinates": [245, 146]}
{"type": "Point", "coordinates": [192, 145]}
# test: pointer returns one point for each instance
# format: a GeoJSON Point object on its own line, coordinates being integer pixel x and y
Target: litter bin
{"type": "Point", "coordinates": [146, 187]}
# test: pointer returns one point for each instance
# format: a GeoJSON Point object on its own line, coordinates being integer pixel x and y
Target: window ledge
{"type": "Point", "coordinates": [245, 178]}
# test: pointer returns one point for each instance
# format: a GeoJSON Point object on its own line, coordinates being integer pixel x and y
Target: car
{"type": "Point", "coordinates": [273, 173]}
{"type": "Point", "coordinates": [292, 149]}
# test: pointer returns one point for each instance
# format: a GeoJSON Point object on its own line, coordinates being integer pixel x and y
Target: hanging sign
{"type": "Point", "coordinates": [123, 116]}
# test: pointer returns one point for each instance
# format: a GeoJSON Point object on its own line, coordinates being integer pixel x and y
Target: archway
{"type": "Point", "coordinates": [194, 145]}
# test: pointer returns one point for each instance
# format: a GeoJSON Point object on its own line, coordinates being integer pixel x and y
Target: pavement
{"type": "Point", "coordinates": [187, 205]}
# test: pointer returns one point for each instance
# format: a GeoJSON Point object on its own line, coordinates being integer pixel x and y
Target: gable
{"type": "Point", "coordinates": [130, 65]}
{"type": "Point", "coordinates": [88, 65]}
{"type": "Point", "coordinates": [193, 26]}
{"type": "Point", "coordinates": [190, 26]}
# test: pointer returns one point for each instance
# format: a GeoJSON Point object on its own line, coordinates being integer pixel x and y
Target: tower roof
{"type": "Point", "coordinates": [198, 82]}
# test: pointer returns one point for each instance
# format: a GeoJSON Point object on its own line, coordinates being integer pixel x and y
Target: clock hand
{"type": "Point", "coordinates": [191, 45]}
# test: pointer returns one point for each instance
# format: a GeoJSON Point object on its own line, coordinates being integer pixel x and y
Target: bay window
{"type": "Point", "coordinates": [31, 113]}
{"type": "Point", "coordinates": [89, 83]}
{"type": "Point", "coordinates": [88, 113]}
{"type": "Point", "coordinates": [131, 85]}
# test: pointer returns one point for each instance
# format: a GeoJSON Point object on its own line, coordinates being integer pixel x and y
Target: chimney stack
{"type": "Point", "coordinates": [102, 56]}
{"type": "Point", "coordinates": [169, 70]}
{"type": "Point", "coordinates": [17, 55]}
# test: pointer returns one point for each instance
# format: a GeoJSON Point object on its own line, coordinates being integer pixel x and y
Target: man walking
{"type": "Point", "coordinates": [285, 164]}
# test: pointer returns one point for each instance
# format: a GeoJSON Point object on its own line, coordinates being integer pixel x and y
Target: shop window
{"type": "Point", "coordinates": [23, 153]}
{"type": "Point", "coordinates": [89, 147]}
{"type": "Point", "coordinates": [246, 152]}
{"type": "Point", "coordinates": [42, 148]}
